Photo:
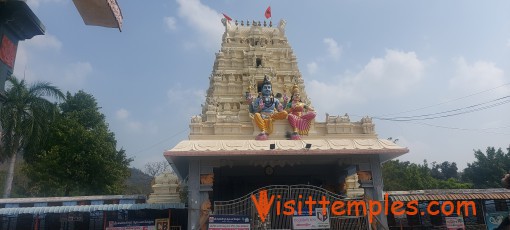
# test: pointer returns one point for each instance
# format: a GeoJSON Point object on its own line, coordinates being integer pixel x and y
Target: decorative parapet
{"type": "Point", "coordinates": [240, 24]}
{"type": "Point", "coordinates": [343, 125]}
{"type": "Point", "coordinates": [254, 34]}
{"type": "Point", "coordinates": [240, 126]}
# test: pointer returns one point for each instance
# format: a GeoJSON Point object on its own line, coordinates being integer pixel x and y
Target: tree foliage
{"type": "Point", "coordinates": [155, 168]}
{"type": "Point", "coordinates": [25, 116]}
{"type": "Point", "coordinates": [80, 156]}
{"type": "Point", "coordinates": [488, 168]}
{"type": "Point", "coordinates": [401, 176]}
{"type": "Point", "coordinates": [445, 170]}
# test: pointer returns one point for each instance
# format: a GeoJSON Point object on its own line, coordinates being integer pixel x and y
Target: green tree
{"type": "Point", "coordinates": [445, 170]}
{"type": "Point", "coordinates": [25, 116]}
{"type": "Point", "coordinates": [487, 169]}
{"type": "Point", "coordinates": [80, 156]}
{"type": "Point", "coordinates": [401, 176]}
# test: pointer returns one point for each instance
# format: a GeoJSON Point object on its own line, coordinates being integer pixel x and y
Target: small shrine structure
{"type": "Point", "coordinates": [165, 189]}
{"type": "Point", "coordinates": [257, 131]}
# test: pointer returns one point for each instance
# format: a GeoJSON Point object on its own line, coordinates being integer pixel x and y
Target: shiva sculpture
{"type": "Point", "coordinates": [300, 115]}
{"type": "Point", "coordinates": [265, 108]}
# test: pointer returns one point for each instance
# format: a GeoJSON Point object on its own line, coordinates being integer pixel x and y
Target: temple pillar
{"type": "Point", "coordinates": [370, 177]}
{"type": "Point", "coordinates": [200, 181]}
{"type": "Point", "coordinates": [194, 201]}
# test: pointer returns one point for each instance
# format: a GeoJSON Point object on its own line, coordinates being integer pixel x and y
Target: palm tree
{"type": "Point", "coordinates": [25, 116]}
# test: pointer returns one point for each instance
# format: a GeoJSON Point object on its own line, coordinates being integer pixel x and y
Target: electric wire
{"type": "Point", "coordinates": [418, 117]}
{"type": "Point", "coordinates": [473, 108]}
{"type": "Point", "coordinates": [442, 103]}
{"type": "Point", "coordinates": [465, 129]}
{"type": "Point", "coordinates": [160, 142]}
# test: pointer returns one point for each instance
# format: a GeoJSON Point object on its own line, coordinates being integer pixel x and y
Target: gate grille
{"type": "Point", "coordinates": [245, 206]}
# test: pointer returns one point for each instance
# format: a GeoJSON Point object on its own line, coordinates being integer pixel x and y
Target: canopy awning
{"type": "Point", "coordinates": [317, 148]}
{"type": "Point", "coordinates": [450, 194]}
{"type": "Point", "coordinates": [88, 208]}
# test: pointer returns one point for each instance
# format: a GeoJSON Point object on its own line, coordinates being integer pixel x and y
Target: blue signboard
{"type": "Point", "coordinates": [228, 222]}
{"type": "Point", "coordinates": [131, 223]}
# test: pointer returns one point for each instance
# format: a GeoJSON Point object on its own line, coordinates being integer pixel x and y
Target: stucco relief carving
{"type": "Point", "coordinates": [235, 73]}
{"type": "Point", "coordinates": [196, 119]}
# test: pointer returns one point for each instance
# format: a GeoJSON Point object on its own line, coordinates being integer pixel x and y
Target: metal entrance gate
{"type": "Point", "coordinates": [245, 206]}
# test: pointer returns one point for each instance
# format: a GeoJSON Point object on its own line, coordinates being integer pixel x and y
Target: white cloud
{"type": "Point", "coordinates": [480, 75]}
{"type": "Point", "coordinates": [170, 23]}
{"type": "Point", "coordinates": [22, 59]}
{"type": "Point", "coordinates": [203, 19]}
{"type": "Point", "coordinates": [32, 65]}
{"type": "Point", "coordinates": [135, 126]}
{"type": "Point", "coordinates": [46, 41]}
{"type": "Point", "coordinates": [26, 52]}
{"type": "Point", "coordinates": [393, 75]}
{"type": "Point", "coordinates": [508, 43]}
{"type": "Point", "coordinates": [312, 68]}
{"type": "Point", "coordinates": [334, 49]}
{"type": "Point", "coordinates": [122, 114]}
{"type": "Point", "coordinates": [132, 126]}
{"type": "Point", "coordinates": [36, 3]}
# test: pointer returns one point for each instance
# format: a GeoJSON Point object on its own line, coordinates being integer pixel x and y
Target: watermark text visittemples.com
{"type": "Point", "coordinates": [372, 208]}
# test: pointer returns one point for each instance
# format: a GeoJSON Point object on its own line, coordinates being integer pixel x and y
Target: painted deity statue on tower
{"type": "Point", "coordinates": [300, 115]}
{"type": "Point", "coordinates": [265, 109]}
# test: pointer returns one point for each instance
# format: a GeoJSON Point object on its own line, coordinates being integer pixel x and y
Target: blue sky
{"type": "Point", "coordinates": [358, 57]}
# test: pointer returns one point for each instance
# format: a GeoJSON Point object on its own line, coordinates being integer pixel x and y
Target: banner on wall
{"type": "Point", "coordinates": [317, 220]}
{"type": "Point", "coordinates": [494, 219]}
{"type": "Point", "coordinates": [454, 223]}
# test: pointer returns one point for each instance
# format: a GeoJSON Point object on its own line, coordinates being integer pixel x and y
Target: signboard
{"type": "Point", "coordinates": [7, 52]}
{"type": "Point", "coordinates": [70, 217]}
{"type": "Point", "coordinates": [315, 221]}
{"type": "Point", "coordinates": [493, 220]}
{"type": "Point", "coordinates": [131, 223]}
{"type": "Point", "coordinates": [162, 224]}
{"type": "Point", "coordinates": [131, 228]}
{"type": "Point", "coordinates": [227, 222]}
{"type": "Point", "coordinates": [454, 223]}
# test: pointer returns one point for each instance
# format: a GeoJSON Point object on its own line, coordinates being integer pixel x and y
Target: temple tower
{"type": "Point", "coordinates": [248, 53]}
{"type": "Point", "coordinates": [224, 158]}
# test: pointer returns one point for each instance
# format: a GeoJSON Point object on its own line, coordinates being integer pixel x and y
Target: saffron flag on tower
{"type": "Point", "coordinates": [268, 12]}
{"type": "Point", "coordinates": [227, 17]}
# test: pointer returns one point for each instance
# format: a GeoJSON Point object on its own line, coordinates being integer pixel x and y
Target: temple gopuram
{"type": "Point", "coordinates": [257, 132]}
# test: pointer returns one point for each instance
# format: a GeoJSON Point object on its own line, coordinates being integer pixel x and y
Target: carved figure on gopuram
{"type": "Point", "coordinates": [300, 115]}
{"type": "Point", "coordinates": [265, 108]}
